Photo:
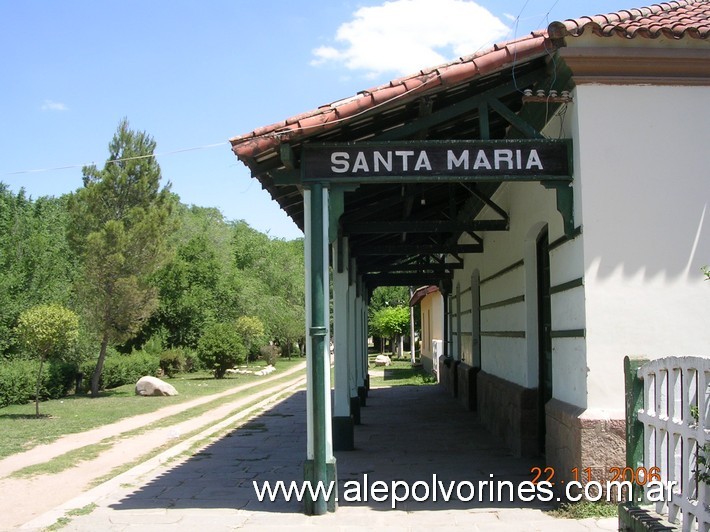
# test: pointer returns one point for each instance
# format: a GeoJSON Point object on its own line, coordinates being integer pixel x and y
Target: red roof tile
{"type": "Point", "coordinates": [678, 19]}
{"type": "Point", "coordinates": [674, 20]}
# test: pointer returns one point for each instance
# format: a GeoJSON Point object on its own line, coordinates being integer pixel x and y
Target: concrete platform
{"type": "Point", "coordinates": [414, 434]}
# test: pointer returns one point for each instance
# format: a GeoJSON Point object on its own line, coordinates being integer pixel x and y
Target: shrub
{"type": "Point", "coordinates": [123, 369]}
{"type": "Point", "coordinates": [270, 354]}
{"type": "Point", "coordinates": [127, 369]}
{"type": "Point", "coordinates": [154, 344]}
{"type": "Point", "coordinates": [59, 380]}
{"type": "Point", "coordinates": [172, 362]}
{"type": "Point", "coordinates": [17, 385]}
{"type": "Point", "coordinates": [220, 347]}
{"type": "Point", "coordinates": [18, 381]}
{"type": "Point", "coordinates": [192, 361]}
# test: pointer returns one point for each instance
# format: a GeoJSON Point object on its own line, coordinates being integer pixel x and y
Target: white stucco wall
{"type": "Point", "coordinates": [641, 195]}
{"type": "Point", "coordinates": [643, 163]}
{"type": "Point", "coordinates": [432, 322]}
{"type": "Point", "coordinates": [531, 207]}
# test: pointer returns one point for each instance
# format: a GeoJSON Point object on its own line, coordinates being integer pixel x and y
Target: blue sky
{"type": "Point", "coordinates": [193, 74]}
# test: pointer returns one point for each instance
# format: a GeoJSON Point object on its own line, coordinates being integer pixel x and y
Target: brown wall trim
{"type": "Point", "coordinates": [503, 303]}
{"type": "Point", "coordinates": [570, 333]}
{"type": "Point", "coordinates": [569, 285]}
{"type": "Point", "coordinates": [504, 334]}
{"type": "Point", "coordinates": [564, 239]}
{"type": "Point", "coordinates": [502, 272]}
{"type": "Point", "coordinates": [622, 65]}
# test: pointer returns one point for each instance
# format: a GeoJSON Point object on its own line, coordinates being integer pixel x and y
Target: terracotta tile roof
{"type": "Point", "coordinates": [673, 20]}
{"type": "Point", "coordinates": [677, 19]}
{"type": "Point", "coordinates": [450, 74]}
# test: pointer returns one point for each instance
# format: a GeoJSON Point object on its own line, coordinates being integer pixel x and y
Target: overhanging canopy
{"type": "Point", "coordinates": [406, 231]}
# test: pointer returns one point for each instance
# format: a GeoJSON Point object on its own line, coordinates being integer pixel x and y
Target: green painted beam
{"type": "Point", "coordinates": [460, 108]}
{"type": "Point", "coordinates": [417, 249]}
{"type": "Point", "coordinates": [411, 279]}
{"type": "Point", "coordinates": [565, 204]}
{"type": "Point", "coordinates": [286, 177]}
{"type": "Point", "coordinates": [287, 157]}
{"type": "Point", "coordinates": [433, 268]}
{"type": "Point", "coordinates": [336, 208]}
{"type": "Point", "coordinates": [423, 226]}
{"type": "Point", "coordinates": [514, 120]}
{"type": "Point", "coordinates": [484, 121]}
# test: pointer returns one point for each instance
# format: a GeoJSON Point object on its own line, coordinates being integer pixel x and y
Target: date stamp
{"type": "Point", "coordinates": [617, 486]}
{"type": "Point", "coordinates": [640, 475]}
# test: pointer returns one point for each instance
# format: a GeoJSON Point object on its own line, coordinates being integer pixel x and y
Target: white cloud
{"type": "Point", "coordinates": [404, 36]}
{"type": "Point", "coordinates": [49, 105]}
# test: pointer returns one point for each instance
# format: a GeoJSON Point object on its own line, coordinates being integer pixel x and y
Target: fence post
{"type": "Point", "coordinates": [634, 428]}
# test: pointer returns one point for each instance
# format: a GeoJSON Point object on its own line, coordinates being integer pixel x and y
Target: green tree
{"type": "Point", "coordinates": [35, 265]}
{"type": "Point", "coordinates": [252, 333]}
{"type": "Point", "coordinates": [384, 297]}
{"type": "Point", "coordinates": [270, 282]}
{"type": "Point", "coordinates": [220, 348]}
{"type": "Point", "coordinates": [198, 285]}
{"type": "Point", "coordinates": [47, 331]}
{"type": "Point", "coordinates": [389, 296]}
{"type": "Point", "coordinates": [288, 320]}
{"type": "Point", "coordinates": [391, 322]}
{"type": "Point", "coordinates": [119, 225]}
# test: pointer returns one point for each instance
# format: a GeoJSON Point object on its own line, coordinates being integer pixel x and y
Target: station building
{"type": "Point", "coordinates": [555, 191]}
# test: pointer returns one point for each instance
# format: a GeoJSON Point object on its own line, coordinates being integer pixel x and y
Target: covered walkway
{"type": "Point", "coordinates": [408, 433]}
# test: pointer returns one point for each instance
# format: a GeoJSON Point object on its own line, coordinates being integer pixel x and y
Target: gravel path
{"type": "Point", "coordinates": [25, 498]}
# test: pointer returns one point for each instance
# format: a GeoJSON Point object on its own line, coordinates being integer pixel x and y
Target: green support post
{"type": "Point", "coordinates": [634, 428]}
{"type": "Point", "coordinates": [318, 470]}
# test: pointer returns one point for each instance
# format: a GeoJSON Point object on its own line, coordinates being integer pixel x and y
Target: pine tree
{"type": "Point", "coordinates": [120, 221]}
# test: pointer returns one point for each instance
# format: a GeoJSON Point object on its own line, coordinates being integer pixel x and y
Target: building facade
{"type": "Point", "coordinates": [549, 277]}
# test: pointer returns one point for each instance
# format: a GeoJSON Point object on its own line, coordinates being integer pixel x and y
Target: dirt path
{"type": "Point", "coordinates": [22, 499]}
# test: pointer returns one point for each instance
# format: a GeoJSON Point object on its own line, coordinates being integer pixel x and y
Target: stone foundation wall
{"type": "Point", "coordinates": [467, 386]}
{"type": "Point", "coordinates": [448, 378]}
{"type": "Point", "coordinates": [510, 412]}
{"type": "Point", "coordinates": [576, 438]}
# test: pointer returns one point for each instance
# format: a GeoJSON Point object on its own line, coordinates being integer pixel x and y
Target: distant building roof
{"type": "Point", "coordinates": [421, 293]}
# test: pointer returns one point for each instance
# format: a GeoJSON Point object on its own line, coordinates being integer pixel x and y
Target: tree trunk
{"type": "Point", "coordinates": [96, 375]}
{"type": "Point", "coordinates": [412, 345]}
{"type": "Point", "coordinates": [39, 381]}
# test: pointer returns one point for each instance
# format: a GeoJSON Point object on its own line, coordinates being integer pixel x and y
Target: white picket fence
{"type": "Point", "coordinates": [675, 415]}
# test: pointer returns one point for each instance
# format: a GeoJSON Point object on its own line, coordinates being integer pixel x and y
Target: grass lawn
{"type": "Point", "coordinates": [399, 373]}
{"type": "Point", "coordinates": [21, 430]}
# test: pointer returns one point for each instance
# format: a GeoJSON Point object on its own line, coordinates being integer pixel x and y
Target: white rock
{"type": "Point", "coordinates": [268, 369]}
{"type": "Point", "coordinates": [382, 360]}
{"type": "Point", "coordinates": [154, 386]}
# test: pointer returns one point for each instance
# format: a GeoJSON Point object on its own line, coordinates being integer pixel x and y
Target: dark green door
{"type": "Point", "coordinates": [544, 313]}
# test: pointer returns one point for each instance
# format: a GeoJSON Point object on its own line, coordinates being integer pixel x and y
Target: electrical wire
{"type": "Point", "coordinates": [120, 160]}
{"type": "Point", "coordinates": [285, 130]}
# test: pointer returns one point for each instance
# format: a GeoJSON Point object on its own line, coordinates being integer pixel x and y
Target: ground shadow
{"type": "Point", "coordinates": [25, 416]}
{"type": "Point", "coordinates": [415, 434]}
